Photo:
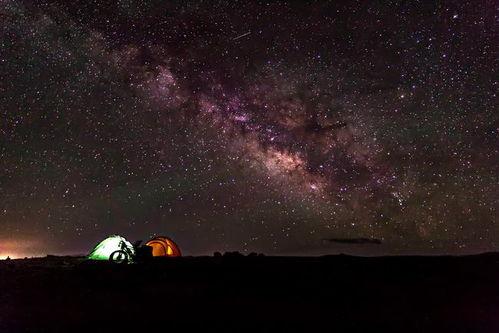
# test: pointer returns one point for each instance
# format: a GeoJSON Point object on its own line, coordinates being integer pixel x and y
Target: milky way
{"type": "Point", "coordinates": [248, 126]}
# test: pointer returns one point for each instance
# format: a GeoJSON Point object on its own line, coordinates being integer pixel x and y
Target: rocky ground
{"type": "Point", "coordinates": [260, 294]}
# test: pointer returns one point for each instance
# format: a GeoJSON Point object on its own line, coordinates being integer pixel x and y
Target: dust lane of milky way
{"type": "Point", "coordinates": [249, 126]}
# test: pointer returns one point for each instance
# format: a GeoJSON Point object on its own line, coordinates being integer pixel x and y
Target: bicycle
{"type": "Point", "coordinates": [123, 255]}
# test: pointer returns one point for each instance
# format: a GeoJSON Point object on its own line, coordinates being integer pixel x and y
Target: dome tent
{"type": "Point", "coordinates": [163, 247]}
{"type": "Point", "coordinates": [114, 248]}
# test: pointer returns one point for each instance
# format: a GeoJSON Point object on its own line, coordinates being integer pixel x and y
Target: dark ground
{"type": "Point", "coordinates": [269, 294]}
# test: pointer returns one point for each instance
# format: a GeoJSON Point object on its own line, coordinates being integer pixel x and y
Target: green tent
{"type": "Point", "coordinates": [114, 248]}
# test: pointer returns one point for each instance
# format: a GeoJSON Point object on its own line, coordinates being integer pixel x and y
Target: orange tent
{"type": "Point", "coordinates": [164, 247]}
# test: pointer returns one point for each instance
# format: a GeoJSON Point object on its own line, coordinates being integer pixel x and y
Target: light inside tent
{"type": "Point", "coordinates": [104, 249]}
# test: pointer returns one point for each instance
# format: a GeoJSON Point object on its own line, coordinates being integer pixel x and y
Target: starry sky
{"type": "Point", "coordinates": [249, 126]}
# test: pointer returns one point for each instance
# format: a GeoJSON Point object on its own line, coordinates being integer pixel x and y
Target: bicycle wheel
{"type": "Point", "coordinates": [119, 256]}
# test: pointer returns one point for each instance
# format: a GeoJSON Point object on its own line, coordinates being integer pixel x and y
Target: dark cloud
{"type": "Point", "coordinates": [354, 240]}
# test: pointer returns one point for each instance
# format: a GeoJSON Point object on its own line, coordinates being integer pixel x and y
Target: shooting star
{"type": "Point", "coordinates": [241, 36]}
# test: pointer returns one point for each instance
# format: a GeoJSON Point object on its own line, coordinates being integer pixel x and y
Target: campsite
{"type": "Point", "coordinates": [235, 293]}
{"type": "Point", "coordinates": [117, 249]}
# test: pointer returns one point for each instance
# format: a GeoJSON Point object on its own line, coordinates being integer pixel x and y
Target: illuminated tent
{"type": "Point", "coordinates": [114, 248]}
{"type": "Point", "coordinates": [164, 247]}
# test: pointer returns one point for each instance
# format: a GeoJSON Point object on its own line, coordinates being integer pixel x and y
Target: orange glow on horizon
{"type": "Point", "coordinates": [18, 249]}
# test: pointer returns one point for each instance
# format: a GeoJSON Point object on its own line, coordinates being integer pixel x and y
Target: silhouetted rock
{"type": "Point", "coordinates": [233, 254]}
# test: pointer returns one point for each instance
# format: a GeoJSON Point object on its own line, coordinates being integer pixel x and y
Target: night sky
{"type": "Point", "coordinates": [249, 126]}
